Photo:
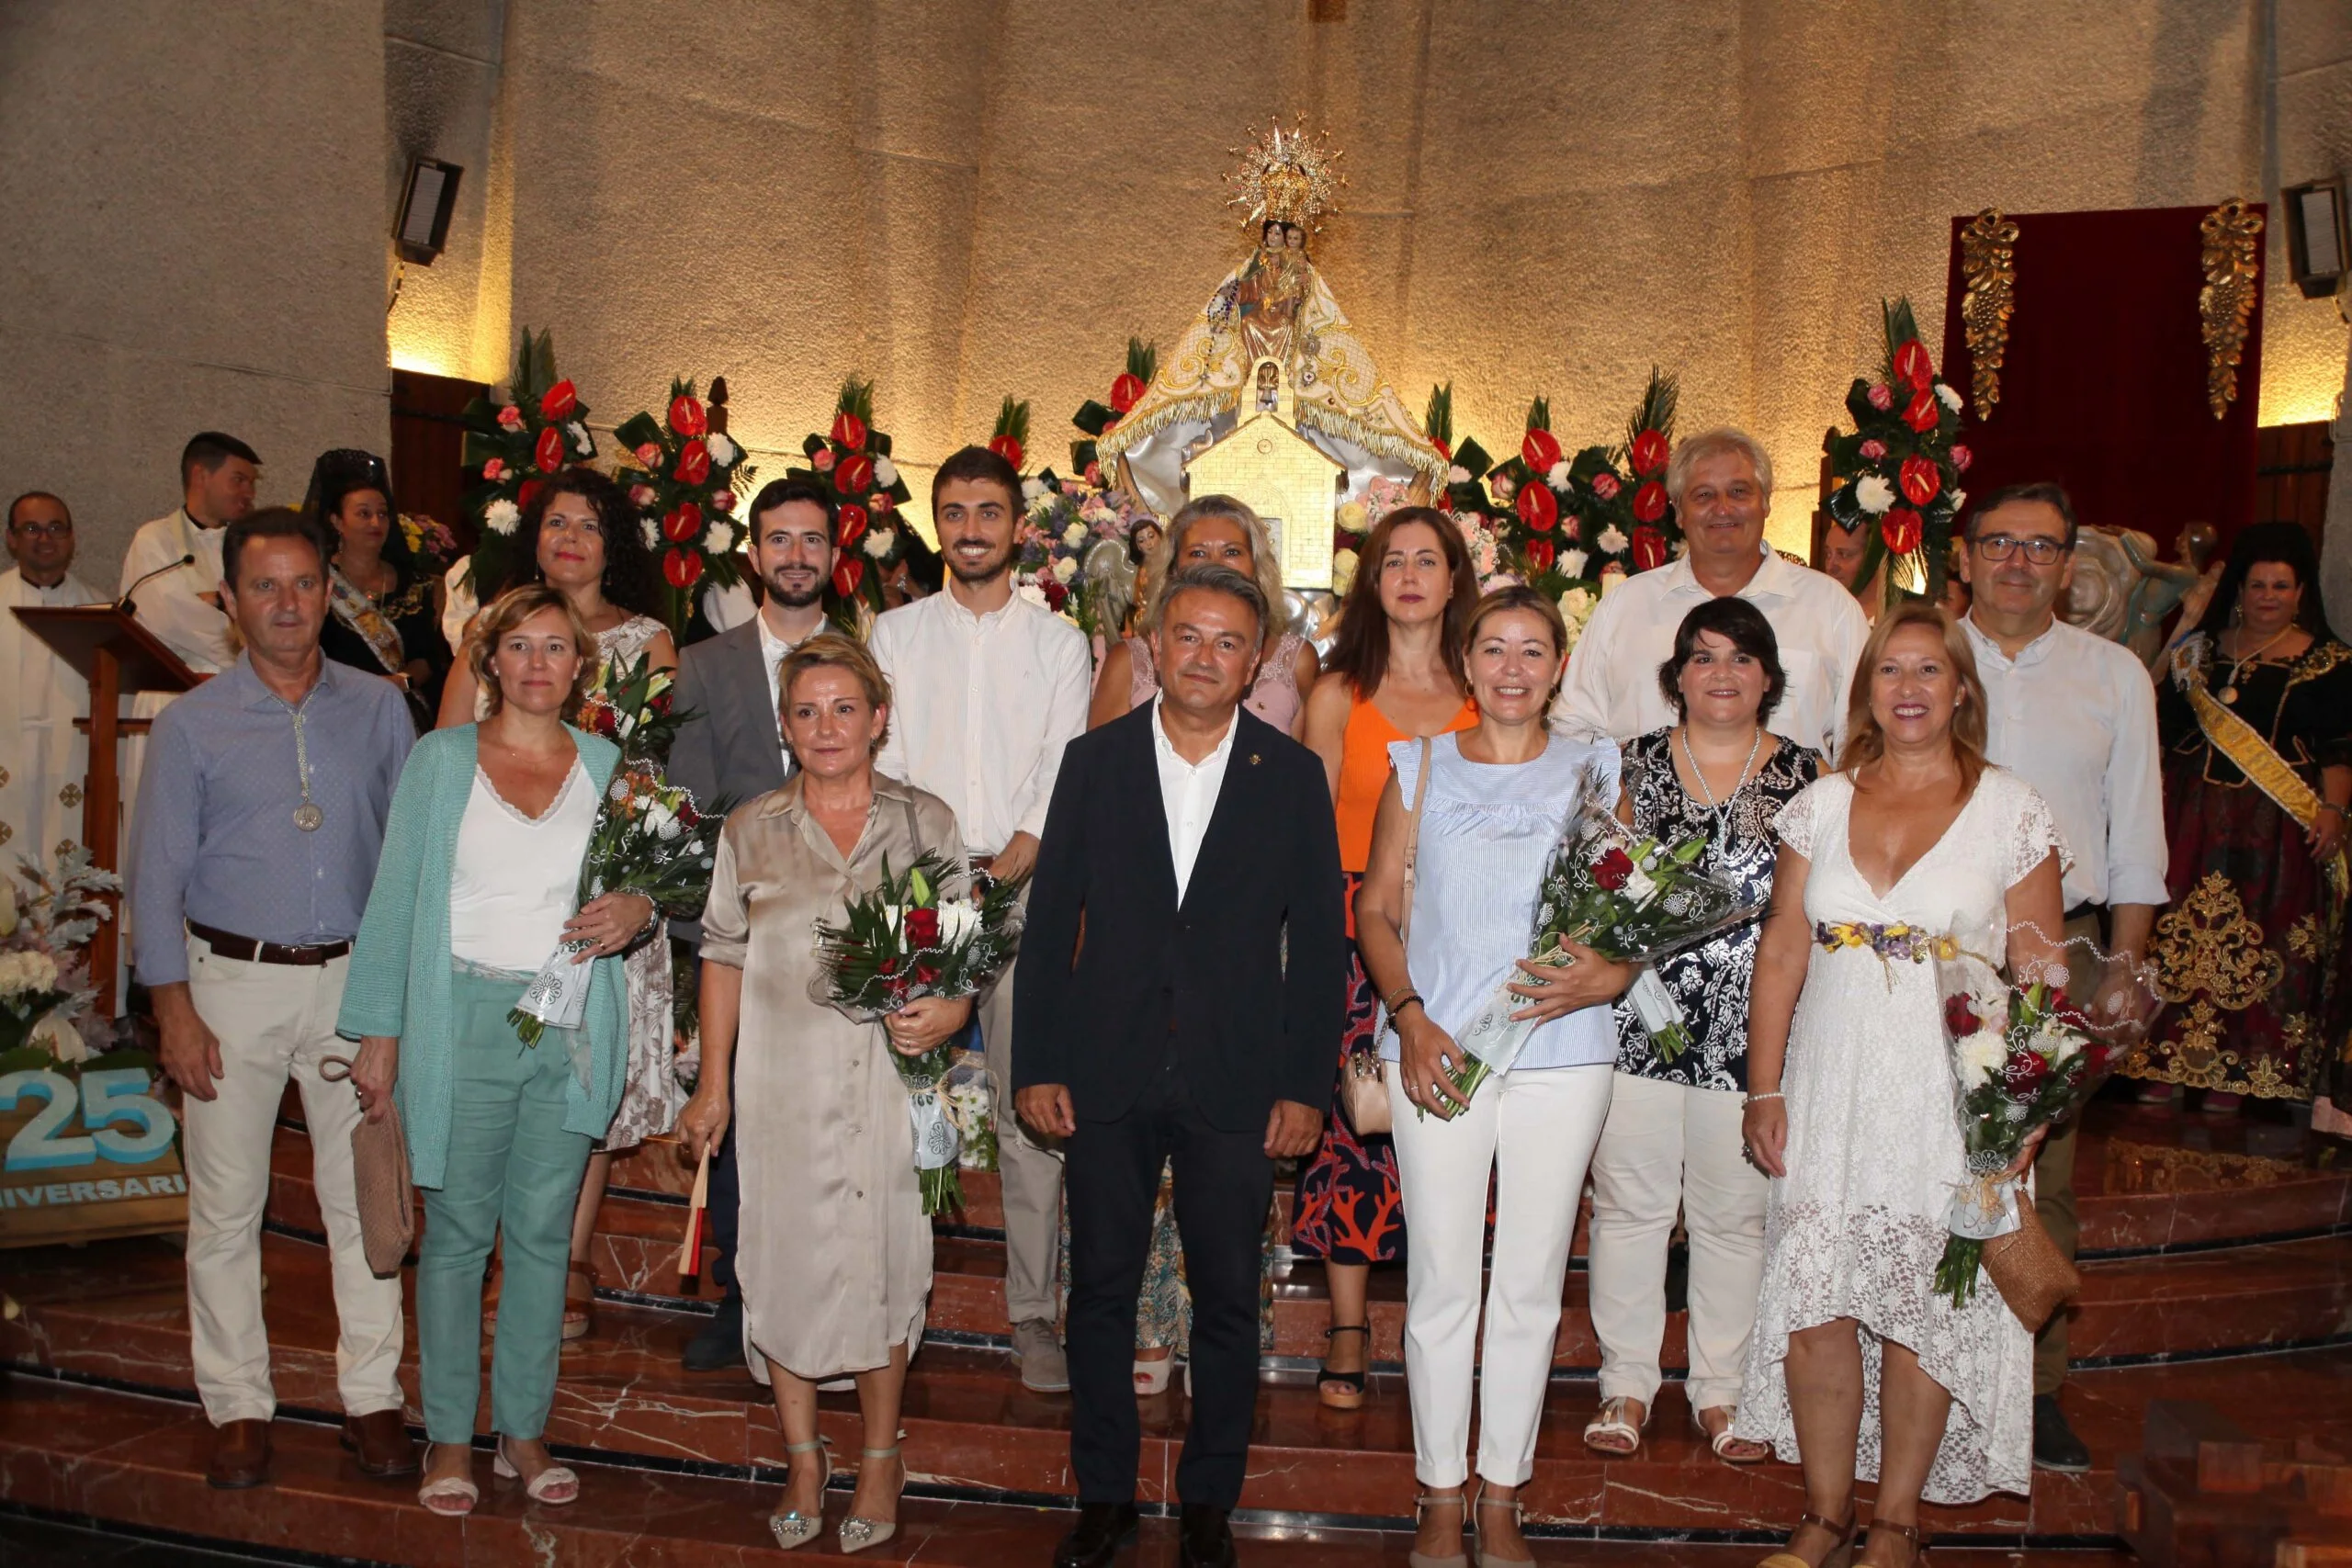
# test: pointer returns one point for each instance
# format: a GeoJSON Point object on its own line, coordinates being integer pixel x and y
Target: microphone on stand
{"type": "Point", "coordinates": [124, 602]}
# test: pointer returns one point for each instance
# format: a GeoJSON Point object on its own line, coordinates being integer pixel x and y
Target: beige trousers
{"type": "Point", "coordinates": [274, 1020]}
{"type": "Point", "coordinates": [2054, 1181]}
{"type": "Point", "coordinates": [1664, 1149]}
{"type": "Point", "coordinates": [1030, 1175]}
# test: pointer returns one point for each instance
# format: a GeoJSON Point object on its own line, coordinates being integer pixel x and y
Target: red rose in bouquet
{"type": "Point", "coordinates": [852, 523]}
{"type": "Point", "coordinates": [1649, 549]}
{"type": "Point", "coordinates": [1539, 450]}
{"type": "Point", "coordinates": [682, 566]}
{"type": "Point", "coordinates": [1921, 414]}
{"type": "Point", "coordinates": [1612, 868]}
{"type": "Point", "coordinates": [1649, 503]}
{"type": "Point", "coordinates": [559, 401]}
{"type": "Point", "coordinates": [686, 416]}
{"type": "Point", "coordinates": [1649, 453]}
{"type": "Point", "coordinates": [1911, 364]}
{"type": "Point", "coordinates": [849, 430]}
{"type": "Point", "coordinates": [1921, 479]}
{"type": "Point", "coordinates": [2025, 1072]}
{"type": "Point", "coordinates": [855, 474]}
{"type": "Point", "coordinates": [1959, 1018]}
{"type": "Point", "coordinates": [1006, 448]}
{"type": "Point", "coordinates": [1903, 530]}
{"type": "Point", "coordinates": [549, 450]}
{"type": "Point", "coordinates": [683, 522]}
{"type": "Point", "coordinates": [694, 463]}
{"type": "Point", "coordinates": [1127, 391]}
{"type": "Point", "coordinates": [1538, 508]}
{"type": "Point", "coordinates": [922, 928]}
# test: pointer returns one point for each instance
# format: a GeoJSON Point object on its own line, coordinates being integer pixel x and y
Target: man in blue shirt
{"type": "Point", "coordinates": [261, 813]}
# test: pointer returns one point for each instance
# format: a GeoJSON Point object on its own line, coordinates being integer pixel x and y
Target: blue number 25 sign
{"type": "Point", "coordinates": [118, 1175]}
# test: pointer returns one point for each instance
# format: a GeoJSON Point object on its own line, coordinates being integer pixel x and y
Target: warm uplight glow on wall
{"type": "Point", "coordinates": [426, 362]}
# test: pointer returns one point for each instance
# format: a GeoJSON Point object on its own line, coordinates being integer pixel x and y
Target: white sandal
{"type": "Point", "coordinates": [449, 1488]}
{"type": "Point", "coordinates": [1151, 1377]}
{"type": "Point", "coordinates": [542, 1487]}
{"type": "Point", "coordinates": [1602, 1433]}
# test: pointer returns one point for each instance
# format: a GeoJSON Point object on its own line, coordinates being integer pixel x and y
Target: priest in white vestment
{"type": "Point", "coordinates": [181, 604]}
{"type": "Point", "coordinates": [43, 757]}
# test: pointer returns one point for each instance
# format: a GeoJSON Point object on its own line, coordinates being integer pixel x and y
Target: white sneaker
{"type": "Point", "coordinates": [1044, 1367]}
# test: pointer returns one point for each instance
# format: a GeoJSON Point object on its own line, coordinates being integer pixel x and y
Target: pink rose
{"type": "Point", "coordinates": [511, 417]}
{"type": "Point", "coordinates": [1604, 485]}
{"type": "Point", "coordinates": [1873, 450]}
{"type": "Point", "coordinates": [494, 470]}
{"type": "Point", "coordinates": [649, 455]}
{"type": "Point", "coordinates": [643, 495]}
{"type": "Point", "coordinates": [1882, 396]}
{"type": "Point", "coordinates": [1094, 475]}
{"type": "Point", "coordinates": [822, 460]}
{"type": "Point", "coordinates": [1961, 456]}
{"type": "Point", "coordinates": [722, 501]}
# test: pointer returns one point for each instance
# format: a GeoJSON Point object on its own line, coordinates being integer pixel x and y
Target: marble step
{"type": "Point", "coordinates": [116, 1311]}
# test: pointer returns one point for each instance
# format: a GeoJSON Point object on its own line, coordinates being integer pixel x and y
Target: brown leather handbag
{"type": "Point", "coordinates": [379, 1179]}
{"type": "Point", "coordinates": [2031, 1274]}
{"type": "Point", "coordinates": [1363, 1088]}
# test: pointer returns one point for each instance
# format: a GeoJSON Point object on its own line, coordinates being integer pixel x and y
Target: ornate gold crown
{"type": "Point", "coordinates": [1286, 176]}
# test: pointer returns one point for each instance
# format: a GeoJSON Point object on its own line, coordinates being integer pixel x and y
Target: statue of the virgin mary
{"type": "Point", "coordinates": [1273, 306]}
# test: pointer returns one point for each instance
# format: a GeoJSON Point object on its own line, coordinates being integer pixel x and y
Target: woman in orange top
{"type": "Point", "coordinates": [1394, 674]}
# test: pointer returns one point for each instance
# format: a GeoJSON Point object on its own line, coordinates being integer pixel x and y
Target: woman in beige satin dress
{"type": "Point", "coordinates": [835, 1258]}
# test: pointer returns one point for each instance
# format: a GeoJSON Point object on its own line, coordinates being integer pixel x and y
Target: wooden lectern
{"type": "Point", "coordinates": [117, 656]}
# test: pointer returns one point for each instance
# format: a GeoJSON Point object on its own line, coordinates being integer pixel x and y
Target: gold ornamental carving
{"type": "Point", "coordinates": [2232, 271]}
{"type": "Point", "coordinates": [1988, 264]}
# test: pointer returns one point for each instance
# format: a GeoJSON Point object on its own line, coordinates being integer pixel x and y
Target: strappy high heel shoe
{"type": "Point", "coordinates": [1838, 1556]}
{"type": "Point", "coordinates": [1342, 1390]}
{"type": "Point", "coordinates": [1518, 1512]}
{"type": "Point", "coordinates": [856, 1534]}
{"type": "Point", "coordinates": [1910, 1533]}
{"type": "Point", "coordinates": [1421, 1559]}
{"type": "Point", "coordinates": [792, 1527]}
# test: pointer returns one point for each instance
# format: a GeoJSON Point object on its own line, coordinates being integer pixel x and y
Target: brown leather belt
{"type": "Point", "coordinates": [252, 949]}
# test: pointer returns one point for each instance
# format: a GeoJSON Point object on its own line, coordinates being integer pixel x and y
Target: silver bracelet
{"type": "Point", "coordinates": [1755, 1099]}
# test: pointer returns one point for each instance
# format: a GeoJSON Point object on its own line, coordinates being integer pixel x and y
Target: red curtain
{"type": "Point", "coordinates": [2103, 385]}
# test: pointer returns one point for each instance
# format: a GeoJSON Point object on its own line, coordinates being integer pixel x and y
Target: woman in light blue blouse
{"type": "Point", "coordinates": [1497, 798]}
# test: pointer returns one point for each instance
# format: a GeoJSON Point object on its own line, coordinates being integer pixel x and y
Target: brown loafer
{"type": "Point", "coordinates": [240, 1455]}
{"type": "Point", "coordinates": [380, 1443]}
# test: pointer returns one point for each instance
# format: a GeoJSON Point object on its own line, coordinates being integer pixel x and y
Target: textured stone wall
{"type": "Point", "coordinates": [195, 238]}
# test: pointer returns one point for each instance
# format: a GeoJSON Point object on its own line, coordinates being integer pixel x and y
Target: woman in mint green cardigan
{"type": "Point", "coordinates": [474, 891]}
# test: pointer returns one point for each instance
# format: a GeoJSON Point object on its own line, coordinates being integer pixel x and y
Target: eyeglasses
{"type": "Point", "coordinates": [41, 530]}
{"type": "Point", "coordinates": [2000, 547]}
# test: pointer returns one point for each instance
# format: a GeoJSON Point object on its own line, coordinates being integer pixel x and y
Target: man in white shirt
{"type": "Point", "coordinates": [45, 759]}
{"type": "Point", "coordinates": [987, 687]}
{"type": "Point", "coordinates": [2074, 715]}
{"type": "Point", "coordinates": [733, 746]}
{"type": "Point", "coordinates": [181, 604]}
{"type": "Point", "coordinates": [1720, 484]}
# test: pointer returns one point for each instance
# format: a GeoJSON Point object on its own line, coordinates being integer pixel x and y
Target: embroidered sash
{"type": "Point", "coordinates": [356, 610]}
{"type": "Point", "coordinates": [2259, 762]}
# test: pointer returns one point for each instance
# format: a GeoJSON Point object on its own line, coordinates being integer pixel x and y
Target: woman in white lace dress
{"type": "Point", "coordinates": [1858, 1367]}
{"type": "Point", "coordinates": [582, 538]}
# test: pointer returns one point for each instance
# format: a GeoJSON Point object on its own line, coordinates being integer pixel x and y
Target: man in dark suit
{"type": "Point", "coordinates": [1191, 838]}
{"type": "Point", "coordinates": [734, 746]}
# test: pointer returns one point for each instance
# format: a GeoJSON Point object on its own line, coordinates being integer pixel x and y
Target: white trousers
{"type": "Point", "coordinates": [274, 1020]}
{"type": "Point", "coordinates": [1532, 1131]}
{"type": "Point", "coordinates": [1029, 1175]}
{"type": "Point", "coordinates": [1668, 1148]}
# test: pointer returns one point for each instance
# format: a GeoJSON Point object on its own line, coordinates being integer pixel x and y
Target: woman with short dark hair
{"type": "Point", "coordinates": [1672, 1142]}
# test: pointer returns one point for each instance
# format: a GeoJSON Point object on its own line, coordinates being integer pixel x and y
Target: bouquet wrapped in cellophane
{"type": "Point", "coordinates": [1628, 897]}
{"type": "Point", "coordinates": [904, 940]}
{"type": "Point", "coordinates": [2023, 1057]}
{"type": "Point", "coordinates": [628, 705]}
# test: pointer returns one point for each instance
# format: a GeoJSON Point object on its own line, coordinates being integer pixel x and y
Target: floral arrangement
{"type": "Point", "coordinates": [1094, 420]}
{"type": "Point", "coordinates": [514, 445]}
{"type": "Point", "coordinates": [1625, 896]}
{"type": "Point", "coordinates": [1484, 523]}
{"type": "Point", "coordinates": [1071, 544]}
{"type": "Point", "coordinates": [903, 941]}
{"type": "Point", "coordinates": [44, 972]}
{"type": "Point", "coordinates": [1899, 469]}
{"type": "Point", "coordinates": [1356, 518]}
{"type": "Point", "coordinates": [684, 490]}
{"type": "Point", "coordinates": [629, 705]}
{"type": "Point", "coordinates": [2023, 1057]}
{"type": "Point", "coordinates": [430, 544]}
{"type": "Point", "coordinates": [1604, 508]}
{"type": "Point", "coordinates": [650, 839]}
{"type": "Point", "coordinates": [852, 459]}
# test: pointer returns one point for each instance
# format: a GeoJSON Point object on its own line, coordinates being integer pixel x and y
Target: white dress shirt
{"type": "Point", "coordinates": [1188, 792]}
{"type": "Point", "coordinates": [1612, 693]}
{"type": "Point", "coordinates": [171, 605]}
{"type": "Point", "coordinates": [2074, 715]}
{"type": "Point", "coordinates": [982, 706]}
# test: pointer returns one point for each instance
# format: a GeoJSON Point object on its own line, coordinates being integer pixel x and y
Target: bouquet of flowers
{"type": "Point", "coordinates": [1627, 898]}
{"type": "Point", "coordinates": [650, 838]}
{"type": "Point", "coordinates": [629, 705]}
{"type": "Point", "coordinates": [514, 445]}
{"type": "Point", "coordinates": [904, 940]}
{"type": "Point", "coordinates": [2023, 1057]}
{"type": "Point", "coordinates": [430, 544]}
{"type": "Point", "coordinates": [684, 493]}
{"type": "Point", "coordinates": [43, 971]}
{"type": "Point", "coordinates": [1579, 517]}
{"type": "Point", "coordinates": [1900, 468]}
{"type": "Point", "coordinates": [1072, 550]}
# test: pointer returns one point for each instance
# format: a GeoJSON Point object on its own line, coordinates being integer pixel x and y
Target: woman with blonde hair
{"type": "Point", "coordinates": [475, 889]}
{"type": "Point", "coordinates": [1859, 1367]}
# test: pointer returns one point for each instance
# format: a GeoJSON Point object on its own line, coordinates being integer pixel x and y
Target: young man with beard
{"type": "Point", "coordinates": [733, 746]}
{"type": "Point", "coordinates": [987, 687]}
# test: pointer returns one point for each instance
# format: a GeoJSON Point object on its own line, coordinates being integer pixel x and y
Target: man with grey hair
{"type": "Point", "coordinates": [1721, 484]}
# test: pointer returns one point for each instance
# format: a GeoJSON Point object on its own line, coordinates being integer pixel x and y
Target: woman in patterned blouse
{"type": "Point", "coordinates": [1672, 1139]}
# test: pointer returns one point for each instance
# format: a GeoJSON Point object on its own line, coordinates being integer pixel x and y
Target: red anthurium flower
{"type": "Point", "coordinates": [1444, 448]}
{"type": "Point", "coordinates": [525, 493]}
{"type": "Point", "coordinates": [1127, 391]}
{"type": "Point", "coordinates": [562, 402]}
{"type": "Point", "coordinates": [548, 451]}
{"type": "Point", "coordinates": [1539, 554]}
{"type": "Point", "coordinates": [1538, 507]}
{"type": "Point", "coordinates": [1921, 481]}
{"type": "Point", "coordinates": [855, 474]}
{"type": "Point", "coordinates": [852, 523]}
{"type": "Point", "coordinates": [1649, 547]}
{"type": "Point", "coordinates": [847, 571]}
{"type": "Point", "coordinates": [1006, 448]}
{"type": "Point", "coordinates": [682, 566]}
{"type": "Point", "coordinates": [1649, 503]}
{"type": "Point", "coordinates": [1539, 450]}
{"type": "Point", "coordinates": [686, 416]}
{"type": "Point", "coordinates": [1649, 452]}
{"type": "Point", "coordinates": [1912, 364]}
{"type": "Point", "coordinates": [683, 523]}
{"type": "Point", "coordinates": [1959, 1019]}
{"type": "Point", "coordinates": [922, 928]}
{"type": "Point", "coordinates": [849, 430]}
{"type": "Point", "coordinates": [694, 463]}
{"type": "Point", "coordinates": [1922, 412]}
{"type": "Point", "coordinates": [1902, 529]}
{"type": "Point", "coordinates": [1612, 868]}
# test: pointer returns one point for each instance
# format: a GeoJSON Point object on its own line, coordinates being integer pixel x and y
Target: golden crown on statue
{"type": "Point", "coordinates": [1287, 176]}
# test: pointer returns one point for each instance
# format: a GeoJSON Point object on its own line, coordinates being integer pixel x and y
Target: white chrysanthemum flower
{"type": "Point", "coordinates": [1064, 569]}
{"type": "Point", "coordinates": [1033, 593]}
{"type": "Point", "coordinates": [1612, 540]}
{"type": "Point", "coordinates": [717, 539]}
{"type": "Point", "coordinates": [722, 451]}
{"type": "Point", "coordinates": [1948, 396]}
{"type": "Point", "coordinates": [27, 971]}
{"type": "Point", "coordinates": [1984, 1053]}
{"type": "Point", "coordinates": [501, 516]}
{"type": "Point", "coordinates": [580, 441]}
{"type": "Point", "coordinates": [1033, 490]}
{"type": "Point", "coordinates": [1571, 563]}
{"type": "Point", "coordinates": [1873, 494]}
{"type": "Point", "coordinates": [651, 532]}
{"type": "Point", "coordinates": [1457, 475]}
{"type": "Point", "coordinates": [1556, 476]}
{"type": "Point", "coordinates": [1074, 535]}
{"type": "Point", "coordinates": [879, 542]}
{"type": "Point", "coordinates": [886, 472]}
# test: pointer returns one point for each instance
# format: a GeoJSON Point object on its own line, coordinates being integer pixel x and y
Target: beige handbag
{"type": "Point", "coordinates": [379, 1177]}
{"type": "Point", "coordinates": [1364, 1091]}
{"type": "Point", "coordinates": [2031, 1274]}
